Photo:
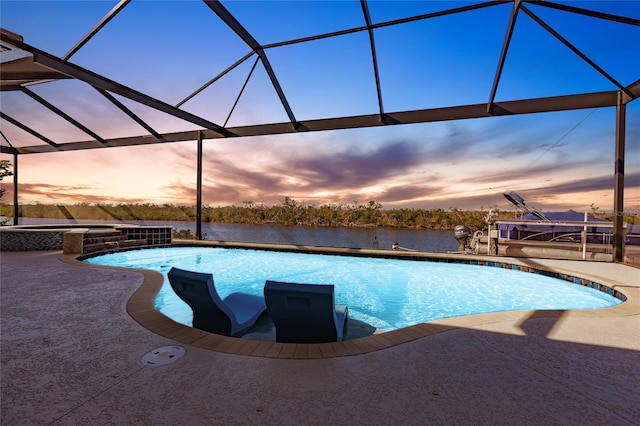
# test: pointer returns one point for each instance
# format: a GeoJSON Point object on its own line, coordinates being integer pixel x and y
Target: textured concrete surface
{"type": "Point", "coordinates": [70, 354]}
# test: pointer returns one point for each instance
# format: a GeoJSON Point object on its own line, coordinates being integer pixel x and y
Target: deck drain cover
{"type": "Point", "coordinates": [163, 356]}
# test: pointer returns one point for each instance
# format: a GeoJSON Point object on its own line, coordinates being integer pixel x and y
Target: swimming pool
{"type": "Point", "coordinates": [385, 293]}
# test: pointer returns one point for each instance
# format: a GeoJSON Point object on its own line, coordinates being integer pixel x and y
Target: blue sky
{"type": "Point", "coordinates": [168, 49]}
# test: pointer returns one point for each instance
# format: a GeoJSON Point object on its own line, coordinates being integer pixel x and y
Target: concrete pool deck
{"type": "Point", "coordinates": [72, 354]}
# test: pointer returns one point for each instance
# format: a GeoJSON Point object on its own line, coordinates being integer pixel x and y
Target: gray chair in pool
{"type": "Point", "coordinates": [231, 316]}
{"type": "Point", "coordinates": [305, 313]}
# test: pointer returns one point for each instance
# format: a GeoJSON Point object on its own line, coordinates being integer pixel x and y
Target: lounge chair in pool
{"type": "Point", "coordinates": [305, 313]}
{"type": "Point", "coordinates": [231, 316]}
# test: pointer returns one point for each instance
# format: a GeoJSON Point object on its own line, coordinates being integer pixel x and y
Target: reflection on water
{"type": "Point", "coordinates": [383, 238]}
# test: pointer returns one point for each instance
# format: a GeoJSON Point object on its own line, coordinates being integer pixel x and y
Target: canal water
{"type": "Point", "coordinates": [352, 237]}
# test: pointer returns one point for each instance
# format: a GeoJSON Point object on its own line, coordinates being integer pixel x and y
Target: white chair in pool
{"type": "Point", "coordinates": [305, 313]}
{"type": "Point", "coordinates": [231, 316]}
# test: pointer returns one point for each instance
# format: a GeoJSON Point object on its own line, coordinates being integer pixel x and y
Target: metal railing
{"type": "Point", "coordinates": [557, 234]}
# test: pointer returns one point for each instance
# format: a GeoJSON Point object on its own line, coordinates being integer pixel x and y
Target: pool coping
{"type": "Point", "coordinates": [140, 306]}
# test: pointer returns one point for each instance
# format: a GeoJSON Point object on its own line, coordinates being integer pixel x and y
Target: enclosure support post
{"type": "Point", "coordinates": [199, 190]}
{"type": "Point", "coordinates": [618, 195]}
{"type": "Point", "coordinates": [584, 236]}
{"type": "Point", "coordinates": [15, 189]}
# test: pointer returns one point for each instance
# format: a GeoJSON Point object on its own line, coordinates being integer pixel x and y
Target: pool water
{"type": "Point", "coordinates": [385, 293]}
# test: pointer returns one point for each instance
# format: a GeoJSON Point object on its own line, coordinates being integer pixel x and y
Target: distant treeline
{"type": "Point", "coordinates": [289, 212]}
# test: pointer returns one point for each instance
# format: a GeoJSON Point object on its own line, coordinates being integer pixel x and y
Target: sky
{"type": "Point", "coordinates": [169, 49]}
